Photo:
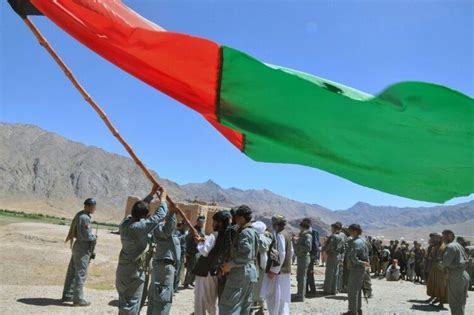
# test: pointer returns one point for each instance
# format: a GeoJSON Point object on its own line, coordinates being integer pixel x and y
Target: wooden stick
{"type": "Point", "coordinates": [43, 42]}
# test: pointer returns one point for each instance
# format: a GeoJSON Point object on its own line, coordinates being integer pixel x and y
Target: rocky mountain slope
{"type": "Point", "coordinates": [44, 172]}
{"type": "Point", "coordinates": [376, 217]}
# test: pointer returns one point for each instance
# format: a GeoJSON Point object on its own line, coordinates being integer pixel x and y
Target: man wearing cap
{"type": "Point", "coordinates": [358, 261]}
{"type": "Point", "coordinates": [436, 286]}
{"type": "Point", "coordinates": [241, 270]}
{"type": "Point", "coordinates": [134, 231]}
{"type": "Point", "coordinates": [83, 248]}
{"type": "Point", "coordinates": [264, 241]}
{"type": "Point", "coordinates": [276, 287]}
{"type": "Point", "coordinates": [192, 254]}
{"type": "Point", "coordinates": [455, 260]}
{"type": "Point", "coordinates": [207, 266]}
{"type": "Point", "coordinates": [334, 249]}
{"type": "Point", "coordinates": [302, 249]}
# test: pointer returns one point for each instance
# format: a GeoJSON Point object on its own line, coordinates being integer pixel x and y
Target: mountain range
{"type": "Point", "coordinates": [41, 171]}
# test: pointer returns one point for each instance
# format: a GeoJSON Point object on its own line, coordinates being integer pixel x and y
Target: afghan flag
{"type": "Point", "coordinates": [413, 139]}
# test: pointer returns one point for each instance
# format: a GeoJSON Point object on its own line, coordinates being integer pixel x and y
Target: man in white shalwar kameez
{"type": "Point", "coordinates": [205, 289]}
{"type": "Point", "coordinates": [276, 287]}
{"type": "Point", "coordinates": [206, 268]}
{"type": "Point", "coordinates": [264, 240]}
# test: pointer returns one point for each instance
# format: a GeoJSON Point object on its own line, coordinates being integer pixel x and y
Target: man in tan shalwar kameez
{"type": "Point", "coordinates": [436, 285]}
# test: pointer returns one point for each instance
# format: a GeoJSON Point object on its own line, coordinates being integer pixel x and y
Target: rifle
{"type": "Point", "coordinates": [145, 267]}
{"type": "Point", "coordinates": [366, 286]}
{"type": "Point", "coordinates": [94, 242]}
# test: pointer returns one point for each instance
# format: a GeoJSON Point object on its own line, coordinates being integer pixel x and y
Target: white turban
{"type": "Point", "coordinates": [259, 226]}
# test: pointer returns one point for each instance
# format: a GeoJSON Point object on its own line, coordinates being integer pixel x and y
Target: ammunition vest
{"type": "Point", "coordinates": [209, 265]}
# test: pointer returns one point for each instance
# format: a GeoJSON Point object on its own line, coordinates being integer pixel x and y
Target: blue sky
{"type": "Point", "coordinates": [364, 44]}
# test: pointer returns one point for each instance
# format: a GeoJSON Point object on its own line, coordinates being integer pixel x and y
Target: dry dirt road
{"type": "Point", "coordinates": [33, 261]}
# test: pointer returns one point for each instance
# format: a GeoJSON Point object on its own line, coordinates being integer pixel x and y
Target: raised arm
{"type": "Point", "coordinates": [166, 230]}
{"type": "Point", "coordinates": [207, 245]}
{"type": "Point", "coordinates": [148, 224]}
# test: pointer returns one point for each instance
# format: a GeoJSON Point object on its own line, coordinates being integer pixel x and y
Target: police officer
{"type": "Point", "coordinates": [358, 261]}
{"type": "Point", "coordinates": [182, 234]}
{"type": "Point", "coordinates": [302, 250]}
{"type": "Point", "coordinates": [334, 249]}
{"type": "Point", "coordinates": [165, 261]}
{"type": "Point", "coordinates": [207, 266]}
{"type": "Point", "coordinates": [134, 232]}
{"type": "Point", "coordinates": [455, 260]}
{"type": "Point", "coordinates": [83, 248]}
{"type": "Point", "coordinates": [341, 250]}
{"type": "Point", "coordinates": [314, 257]}
{"type": "Point", "coordinates": [241, 270]}
{"type": "Point", "coordinates": [225, 255]}
{"type": "Point", "coordinates": [192, 254]}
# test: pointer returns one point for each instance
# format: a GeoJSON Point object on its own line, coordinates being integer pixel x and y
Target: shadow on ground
{"type": "Point", "coordinates": [423, 307]}
{"type": "Point", "coordinates": [42, 302]}
{"type": "Point", "coordinates": [337, 297]}
{"type": "Point", "coordinates": [417, 301]}
{"type": "Point", "coordinates": [114, 303]}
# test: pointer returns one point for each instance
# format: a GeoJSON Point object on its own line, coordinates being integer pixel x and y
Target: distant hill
{"type": "Point", "coordinates": [377, 217]}
{"type": "Point", "coordinates": [44, 172]}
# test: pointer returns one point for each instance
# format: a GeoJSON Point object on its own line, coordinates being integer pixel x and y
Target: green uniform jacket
{"type": "Point", "coordinates": [455, 258]}
{"type": "Point", "coordinates": [303, 246]}
{"type": "Point", "coordinates": [359, 254]}
{"type": "Point", "coordinates": [134, 234]}
{"type": "Point", "coordinates": [168, 245]}
{"type": "Point", "coordinates": [244, 257]}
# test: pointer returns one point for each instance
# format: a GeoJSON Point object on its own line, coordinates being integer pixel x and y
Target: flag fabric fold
{"type": "Point", "coordinates": [414, 139]}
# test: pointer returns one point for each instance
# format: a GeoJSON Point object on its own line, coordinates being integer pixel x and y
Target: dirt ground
{"type": "Point", "coordinates": [34, 258]}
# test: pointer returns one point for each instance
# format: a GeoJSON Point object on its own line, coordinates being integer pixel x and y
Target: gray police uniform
{"type": "Point", "coordinates": [192, 256]}
{"type": "Point", "coordinates": [358, 255]}
{"type": "Point", "coordinates": [342, 248]}
{"type": "Point", "coordinates": [333, 249]}
{"type": "Point", "coordinates": [237, 295]}
{"type": "Point", "coordinates": [455, 260]}
{"type": "Point", "coordinates": [182, 239]}
{"type": "Point", "coordinates": [344, 278]}
{"type": "Point", "coordinates": [81, 253]}
{"type": "Point", "coordinates": [165, 260]}
{"type": "Point", "coordinates": [302, 250]}
{"type": "Point", "coordinates": [130, 275]}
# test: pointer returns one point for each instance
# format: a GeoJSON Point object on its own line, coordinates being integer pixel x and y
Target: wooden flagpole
{"type": "Point", "coordinates": [43, 42]}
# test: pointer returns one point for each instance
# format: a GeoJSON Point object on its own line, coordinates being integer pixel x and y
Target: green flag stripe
{"type": "Point", "coordinates": [414, 139]}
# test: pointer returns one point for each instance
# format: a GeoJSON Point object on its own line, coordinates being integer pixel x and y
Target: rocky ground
{"type": "Point", "coordinates": [33, 261]}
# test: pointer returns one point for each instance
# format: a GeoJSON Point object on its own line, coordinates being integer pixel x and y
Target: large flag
{"type": "Point", "coordinates": [414, 139]}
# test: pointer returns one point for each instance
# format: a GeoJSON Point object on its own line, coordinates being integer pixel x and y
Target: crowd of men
{"type": "Point", "coordinates": [244, 264]}
{"type": "Point", "coordinates": [445, 280]}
